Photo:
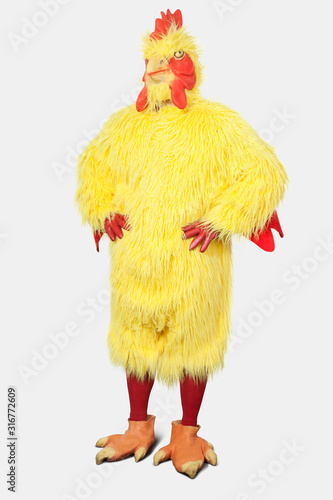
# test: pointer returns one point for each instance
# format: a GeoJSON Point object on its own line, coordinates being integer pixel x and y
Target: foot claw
{"type": "Point", "coordinates": [186, 450]}
{"type": "Point", "coordinates": [140, 453]}
{"type": "Point", "coordinates": [191, 468]}
{"type": "Point", "coordinates": [211, 457]}
{"type": "Point", "coordinates": [101, 442]}
{"type": "Point", "coordinates": [105, 454]}
{"type": "Point", "coordinates": [135, 441]}
{"type": "Point", "coordinates": [159, 457]}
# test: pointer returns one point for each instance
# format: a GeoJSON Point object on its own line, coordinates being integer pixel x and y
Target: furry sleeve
{"type": "Point", "coordinates": [96, 182]}
{"type": "Point", "coordinates": [253, 181]}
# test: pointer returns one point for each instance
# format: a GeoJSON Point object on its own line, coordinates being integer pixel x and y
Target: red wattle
{"type": "Point", "coordinates": [178, 95]}
{"type": "Point", "coordinates": [142, 99]}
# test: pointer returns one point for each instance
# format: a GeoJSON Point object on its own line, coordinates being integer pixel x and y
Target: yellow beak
{"type": "Point", "coordinates": [159, 71]}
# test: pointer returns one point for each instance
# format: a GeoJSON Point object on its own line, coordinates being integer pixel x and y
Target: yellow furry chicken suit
{"type": "Point", "coordinates": [166, 167]}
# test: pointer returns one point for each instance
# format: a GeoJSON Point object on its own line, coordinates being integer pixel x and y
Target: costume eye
{"type": "Point", "coordinates": [179, 54]}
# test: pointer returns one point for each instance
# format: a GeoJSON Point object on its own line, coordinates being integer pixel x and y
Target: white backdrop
{"type": "Point", "coordinates": [66, 66]}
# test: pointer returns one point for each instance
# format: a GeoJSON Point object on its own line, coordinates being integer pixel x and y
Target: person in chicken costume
{"type": "Point", "coordinates": [170, 179]}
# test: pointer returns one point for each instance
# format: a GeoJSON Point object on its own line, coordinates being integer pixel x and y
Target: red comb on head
{"type": "Point", "coordinates": [163, 24]}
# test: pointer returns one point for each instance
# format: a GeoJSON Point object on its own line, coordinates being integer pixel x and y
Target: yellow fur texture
{"type": "Point", "coordinates": [170, 307]}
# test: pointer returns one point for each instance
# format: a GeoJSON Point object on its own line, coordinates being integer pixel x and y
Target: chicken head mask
{"type": "Point", "coordinates": [172, 65]}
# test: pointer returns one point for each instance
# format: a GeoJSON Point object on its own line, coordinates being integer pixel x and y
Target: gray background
{"type": "Point", "coordinates": [267, 59]}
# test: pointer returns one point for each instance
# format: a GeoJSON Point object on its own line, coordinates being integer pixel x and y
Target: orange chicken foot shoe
{"type": "Point", "coordinates": [136, 440]}
{"type": "Point", "coordinates": [187, 451]}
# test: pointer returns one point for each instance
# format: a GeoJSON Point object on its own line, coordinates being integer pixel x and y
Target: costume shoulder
{"type": "Point", "coordinates": [122, 119]}
{"type": "Point", "coordinates": [227, 123]}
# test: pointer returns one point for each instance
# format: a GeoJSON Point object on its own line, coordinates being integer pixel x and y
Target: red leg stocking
{"type": "Point", "coordinates": [139, 392]}
{"type": "Point", "coordinates": [191, 393]}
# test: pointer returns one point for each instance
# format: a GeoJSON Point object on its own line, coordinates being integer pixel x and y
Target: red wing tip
{"type": "Point", "coordinates": [267, 246]}
{"type": "Point", "coordinates": [265, 241]}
